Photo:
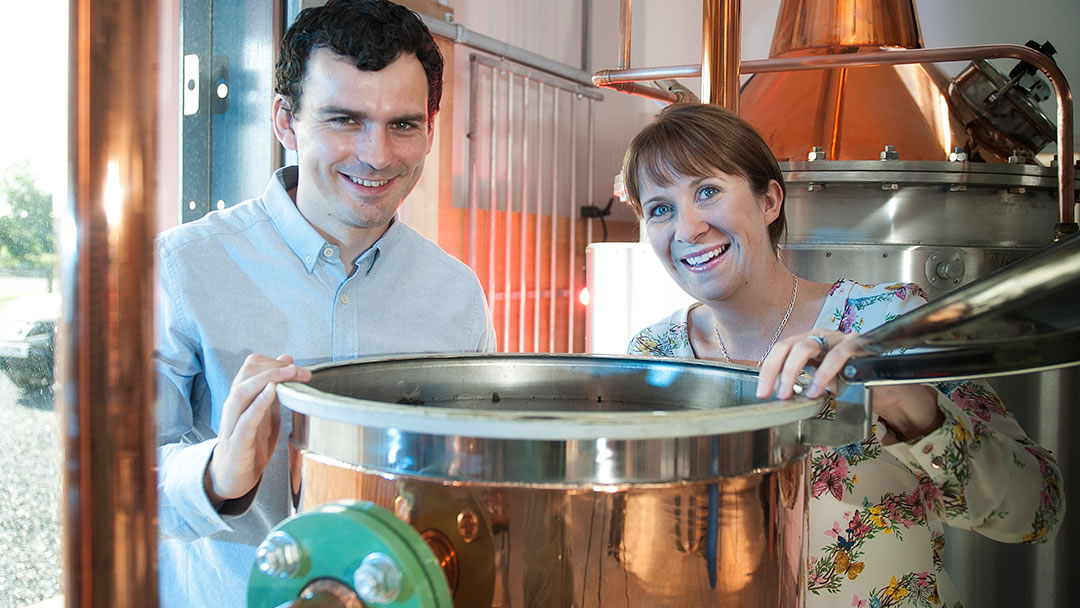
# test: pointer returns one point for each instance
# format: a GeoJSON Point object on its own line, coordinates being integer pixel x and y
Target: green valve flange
{"type": "Point", "coordinates": [351, 554]}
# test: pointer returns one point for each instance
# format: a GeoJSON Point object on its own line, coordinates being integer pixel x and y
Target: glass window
{"type": "Point", "coordinates": [32, 174]}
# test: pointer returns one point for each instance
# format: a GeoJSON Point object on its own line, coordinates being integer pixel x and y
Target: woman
{"type": "Point", "coordinates": [712, 197]}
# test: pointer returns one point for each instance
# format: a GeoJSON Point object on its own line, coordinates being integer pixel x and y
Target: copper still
{"type": "Point", "coordinates": [897, 172]}
{"type": "Point", "coordinates": [576, 480]}
{"type": "Point", "coordinates": [558, 480]}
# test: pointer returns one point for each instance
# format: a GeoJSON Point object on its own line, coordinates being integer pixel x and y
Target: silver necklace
{"type": "Point", "coordinates": [779, 329]}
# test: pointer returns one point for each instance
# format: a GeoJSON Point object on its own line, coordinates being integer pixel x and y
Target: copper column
{"type": "Point", "coordinates": [104, 358]}
{"type": "Point", "coordinates": [720, 48]}
{"type": "Point", "coordinates": [1063, 94]}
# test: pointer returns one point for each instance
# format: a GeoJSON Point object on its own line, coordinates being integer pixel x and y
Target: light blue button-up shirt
{"type": "Point", "coordinates": [257, 278]}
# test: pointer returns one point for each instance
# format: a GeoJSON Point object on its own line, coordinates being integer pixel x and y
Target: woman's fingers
{"type": "Point", "coordinates": [826, 350]}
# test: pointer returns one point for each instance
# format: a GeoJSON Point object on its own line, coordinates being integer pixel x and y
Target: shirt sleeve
{"type": "Point", "coordinates": [979, 470]}
{"type": "Point", "coordinates": [184, 510]}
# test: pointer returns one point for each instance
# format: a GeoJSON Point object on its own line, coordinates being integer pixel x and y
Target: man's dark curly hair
{"type": "Point", "coordinates": [373, 33]}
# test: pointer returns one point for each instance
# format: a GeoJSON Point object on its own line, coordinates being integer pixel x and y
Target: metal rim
{"type": "Point", "coordinates": [539, 424]}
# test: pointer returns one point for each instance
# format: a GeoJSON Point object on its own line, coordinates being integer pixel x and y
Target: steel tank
{"type": "Point", "coordinates": [943, 225]}
{"type": "Point", "coordinates": [556, 480]}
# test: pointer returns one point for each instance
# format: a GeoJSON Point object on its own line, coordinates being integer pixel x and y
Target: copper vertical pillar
{"type": "Point", "coordinates": [720, 49]}
{"type": "Point", "coordinates": [105, 390]}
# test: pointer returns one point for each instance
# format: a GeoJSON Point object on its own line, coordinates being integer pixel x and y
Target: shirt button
{"type": "Point", "coordinates": [928, 448]}
{"type": "Point", "coordinates": [328, 252]}
{"type": "Point", "coordinates": [937, 462]}
{"type": "Point", "coordinates": [344, 299]}
{"type": "Point", "coordinates": [307, 260]}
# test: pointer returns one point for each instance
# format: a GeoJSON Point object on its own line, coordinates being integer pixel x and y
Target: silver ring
{"type": "Point", "coordinates": [823, 345]}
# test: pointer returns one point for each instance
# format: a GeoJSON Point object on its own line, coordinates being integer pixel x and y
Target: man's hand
{"type": "Point", "coordinates": [250, 422]}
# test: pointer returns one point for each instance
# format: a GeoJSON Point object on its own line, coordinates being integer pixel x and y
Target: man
{"type": "Point", "coordinates": [317, 268]}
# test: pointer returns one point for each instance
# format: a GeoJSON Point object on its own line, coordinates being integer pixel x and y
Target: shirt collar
{"type": "Point", "coordinates": [301, 236]}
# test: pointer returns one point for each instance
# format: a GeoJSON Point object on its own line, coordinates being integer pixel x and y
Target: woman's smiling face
{"type": "Point", "coordinates": [710, 232]}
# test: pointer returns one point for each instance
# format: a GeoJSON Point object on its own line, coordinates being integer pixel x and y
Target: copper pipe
{"type": "Point", "coordinates": [625, 30]}
{"type": "Point", "coordinates": [1063, 94]}
{"type": "Point", "coordinates": [720, 46]}
{"type": "Point", "coordinates": [635, 89]}
{"type": "Point", "coordinates": [106, 338]}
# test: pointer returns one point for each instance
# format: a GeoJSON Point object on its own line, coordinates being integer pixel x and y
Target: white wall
{"type": "Point", "coordinates": [668, 32]}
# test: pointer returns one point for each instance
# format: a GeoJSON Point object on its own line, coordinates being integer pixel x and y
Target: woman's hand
{"type": "Point", "coordinates": [827, 351]}
{"type": "Point", "coordinates": [909, 409]}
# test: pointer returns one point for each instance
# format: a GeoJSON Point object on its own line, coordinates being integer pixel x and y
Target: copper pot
{"type": "Point", "coordinates": [570, 480]}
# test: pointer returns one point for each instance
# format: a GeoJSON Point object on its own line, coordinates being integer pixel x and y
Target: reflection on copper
{"type": "Point", "coordinates": [572, 546]}
{"type": "Point", "coordinates": [949, 314]}
{"type": "Point", "coordinates": [445, 555]}
{"type": "Point", "coordinates": [853, 113]}
{"type": "Point", "coordinates": [828, 26]}
{"type": "Point", "coordinates": [105, 392]}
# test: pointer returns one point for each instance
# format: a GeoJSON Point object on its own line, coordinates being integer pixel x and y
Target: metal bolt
{"type": "Point", "coordinates": [890, 186]}
{"type": "Point", "coordinates": [953, 269]}
{"type": "Point", "coordinates": [958, 155]}
{"type": "Point", "coordinates": [817, 153]}
{"type": "Point", "coordinates": [279, 555]}
{"type": "Point", "coordinates": [468, 525]}
{"type": "Point", "coordinates": [1019, 157]}
{"type": "Point", "coordinates": [378, 579]}
{"type": "Point", "coordinates": [815, 187]}
{"type": "Point", "coordinates": [889, 153]}
{"type": "Point", "coordinates": [403, 509]}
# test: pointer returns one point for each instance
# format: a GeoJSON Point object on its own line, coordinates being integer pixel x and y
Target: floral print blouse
{"type": "Point", "coordinates": [877, 511]}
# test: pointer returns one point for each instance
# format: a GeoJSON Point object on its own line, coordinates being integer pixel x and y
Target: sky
{"type": "Point", "coordinates": [33, 43]}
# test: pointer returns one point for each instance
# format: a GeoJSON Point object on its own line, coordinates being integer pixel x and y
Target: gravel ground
{"type": "Point", "coordinates": [30, 569]}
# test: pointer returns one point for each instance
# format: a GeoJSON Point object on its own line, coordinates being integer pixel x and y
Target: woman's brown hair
{"type": "Point", "coordinates": [697, 140]}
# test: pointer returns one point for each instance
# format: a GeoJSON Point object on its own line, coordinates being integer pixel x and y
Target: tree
{"type": "Point", "coordinates": [27, 236]}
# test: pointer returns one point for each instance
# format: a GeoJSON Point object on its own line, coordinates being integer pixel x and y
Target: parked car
{"type": "Point", "coordinates": [27, 337]}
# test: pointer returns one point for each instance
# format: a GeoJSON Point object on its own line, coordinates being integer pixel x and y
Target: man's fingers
{"type": "Point", "coordinates": [246, 387]}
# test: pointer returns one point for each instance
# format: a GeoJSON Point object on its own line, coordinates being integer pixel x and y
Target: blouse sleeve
{"type": "Point", "coordinates": [980, 470]}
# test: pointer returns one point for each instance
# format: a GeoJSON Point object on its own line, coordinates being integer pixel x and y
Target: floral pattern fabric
{"type": "Point", "coordinates": [877, 507]}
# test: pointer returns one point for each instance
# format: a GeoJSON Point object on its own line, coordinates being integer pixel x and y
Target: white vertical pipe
{"type": "Point", "coordinates": [471, 141]}
{"type": "Point", "coordinates": [554, 219]}
{"type": "Point", "coordinates": [590, 193]}
{"type": "Point", "coordinates": [573, 225]}
{"type": "Point", "coordinates": [539, 216]}
{"type": "Point", "coordinates": [493, 194]}
{"type": "Point", "coordinates": [524, 230]}
{"type": "Point", "coordinates": [592, 167]}
{"type": "Point", "coordinates": [507, 216]}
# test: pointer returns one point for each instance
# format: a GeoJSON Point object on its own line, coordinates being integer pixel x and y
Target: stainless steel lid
{"type": "Point", "coordinates": [1023, 318]}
